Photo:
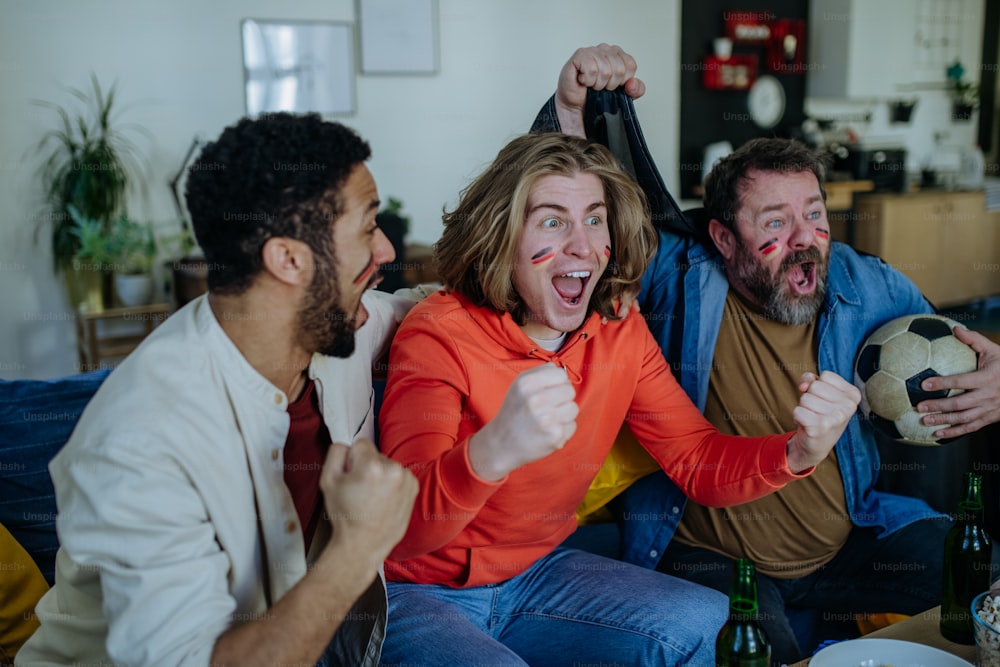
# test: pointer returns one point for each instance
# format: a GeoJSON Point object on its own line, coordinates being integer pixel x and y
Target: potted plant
{"type": "Point", "coordinates": [88, 163]}
{"type": "Point", "coordinates": [964, 94]}
{"type": "Point", "coordinates": [124, 248]}
{"type": "Point", "coordinates": [964, 100]}
{"type": "Point", "coordinates": [134, 265]}
{"type": "Point", "coordinates": [900, 111]}
{"type": "Point", "coordinates": [94, 254]}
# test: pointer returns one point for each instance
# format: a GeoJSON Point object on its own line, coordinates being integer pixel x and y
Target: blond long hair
{"type": "Point", "coordinates": [477, 251]}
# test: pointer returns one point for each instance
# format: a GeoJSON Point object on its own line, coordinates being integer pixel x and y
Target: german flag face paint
{"type": "Point", "coordinates": [366, 273]}
{"type": "Point", "coordinates": [607, 252]}
{"type": "Point", "coordinates": [823, 234]}
{"type": "Point", "coordinates": [543, 256]}
{"type": "Point", "coordinates": [769, 247]}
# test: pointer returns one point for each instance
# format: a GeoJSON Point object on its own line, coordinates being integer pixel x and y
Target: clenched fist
{"type": "Point", "coordinates": [537, 417]}
{"type": "Point", "coordinates": [826, 406]}
{"type": "Point", "coordinates": [601, 67]}
{"type": "Point", "coordinates": [369, 498]}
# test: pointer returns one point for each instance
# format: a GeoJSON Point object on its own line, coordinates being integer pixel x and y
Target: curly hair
{"type": "Point", "coordinates": [263, 178]}
{"type": "Point", "coordinates": [478, 248]}
{"type": "Point", "coordinates": [729, 176]}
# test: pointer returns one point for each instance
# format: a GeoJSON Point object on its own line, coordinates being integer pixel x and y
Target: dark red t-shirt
{"type": "Point", "coordinates": [305, 450]}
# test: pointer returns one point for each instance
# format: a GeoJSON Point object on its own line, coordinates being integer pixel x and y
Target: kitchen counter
{"type": "Point", "coordinates": [840, 194]}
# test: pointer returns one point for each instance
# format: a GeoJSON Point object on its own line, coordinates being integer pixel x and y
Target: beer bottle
{"type": "Point", "coordinates": [741, 641]}
{"type": "Point", "coordinates": [967, 560]}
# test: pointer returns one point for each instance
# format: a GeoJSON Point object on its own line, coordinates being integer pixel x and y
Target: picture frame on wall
{"type": "Point", "coordinates": [298, 66]}
{"type": "Point", "coordinates": [398, 36]}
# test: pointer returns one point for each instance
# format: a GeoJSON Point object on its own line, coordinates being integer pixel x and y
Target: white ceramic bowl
{"type": "Point", "coordinates": [879, 652]}
{"type": "Point", "coordinates": [987, 637]}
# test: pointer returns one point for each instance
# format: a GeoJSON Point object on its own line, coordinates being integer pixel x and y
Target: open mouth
{"type": "Point", "coordinates": [802, 277]}
{"type": "Point", "coordinates": [571, 286]}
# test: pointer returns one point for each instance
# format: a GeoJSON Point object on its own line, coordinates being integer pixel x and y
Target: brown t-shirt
{"type": "Point", "coordinates": [752, 390]}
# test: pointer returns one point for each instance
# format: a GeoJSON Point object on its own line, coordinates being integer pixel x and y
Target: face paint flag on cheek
{"type": "Point", "coordinates": [823, 234]}
{"type": "Point", "coordinates": [608, 255]}
{"type": "Point", "coordinates": [769, 247]}
{"type": "Point", "coordinates": [366, 274]}
{"type": "Point", "coordinates": [543, 255]}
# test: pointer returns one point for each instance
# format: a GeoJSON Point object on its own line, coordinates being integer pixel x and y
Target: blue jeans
{"type": "Point", "coordinates": [900, 573]}
{"type": "Point", "coordinates": [569, 608]}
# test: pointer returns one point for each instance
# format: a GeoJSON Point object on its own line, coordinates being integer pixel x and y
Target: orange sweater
{"type": "Point", "coordinates": [450, 367]}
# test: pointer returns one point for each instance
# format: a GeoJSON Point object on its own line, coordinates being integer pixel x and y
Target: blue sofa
{"type": "Point", "coordinates": [37, 417]}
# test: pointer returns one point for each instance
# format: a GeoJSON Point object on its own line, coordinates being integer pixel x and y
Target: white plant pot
{"type": "Point", "coordinates": [134, 289]}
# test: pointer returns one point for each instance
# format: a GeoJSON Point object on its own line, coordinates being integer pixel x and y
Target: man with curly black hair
{"type": "Point", "coordinates": [211, 507]}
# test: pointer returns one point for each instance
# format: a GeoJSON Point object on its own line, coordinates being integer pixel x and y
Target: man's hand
{"type": "Point", "coordinates": [979, 405]}
{"type": "Point", "coordinates": [601, 67]}
{"type": "Point", "coordinates": [826, 406]}
{"type": "Point", "coordinates": [537, 417]}
{"type": "Point", "coordinates": [369, 499]}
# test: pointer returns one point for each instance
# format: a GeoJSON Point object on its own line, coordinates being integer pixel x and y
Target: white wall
{"type": "Point", "coordinates": [178, 68]}
{"type": "Point", "coordinates": [932, 139]}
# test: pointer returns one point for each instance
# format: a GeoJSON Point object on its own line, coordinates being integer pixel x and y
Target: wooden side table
{"type": "Point", "coordinates": [97, 346]}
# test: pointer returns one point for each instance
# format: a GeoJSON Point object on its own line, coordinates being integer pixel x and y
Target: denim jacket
{"type": "Point", "coordinates": [683, 295]}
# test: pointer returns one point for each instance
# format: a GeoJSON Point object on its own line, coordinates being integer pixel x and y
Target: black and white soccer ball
{"type": "Point", "coordinates": [893, 362]}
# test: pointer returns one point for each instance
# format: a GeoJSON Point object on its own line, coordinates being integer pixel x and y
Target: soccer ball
{"type": "Point", "coordinates": [893, 362]}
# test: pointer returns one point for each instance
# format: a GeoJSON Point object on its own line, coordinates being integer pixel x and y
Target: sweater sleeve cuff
{"type": "Point", "coordinates": [461, 482]}
{"type": "Point", "coordinates": [774, 461]}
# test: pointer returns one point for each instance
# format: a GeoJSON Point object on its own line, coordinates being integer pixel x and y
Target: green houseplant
{"type": "Point", "coordinates": [94, 254]}
{"type": "Point", "coordinates": [124, 247]}
{"type": "Point", "coordinates": [134, 267]}
{"type": "Point", "coordinates": [964, 94]}
{"type": "Point", "coordinates": [137, 246]}
{"type": "Point", "coordinates": [964, 99]}
{"type": "Point", "coordinates": [88, 163]}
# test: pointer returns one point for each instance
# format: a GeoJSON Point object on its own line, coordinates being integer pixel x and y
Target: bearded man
{"type": "Point", "coordinates": [740, 313]}
{"type": "Point", "coordinates": [212, 506]}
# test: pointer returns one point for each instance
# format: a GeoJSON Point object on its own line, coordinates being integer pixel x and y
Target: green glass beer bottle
{"type": "Point", "coordinates": [741, 641]}
{"type": "Point", "coordinates": [968, 554]}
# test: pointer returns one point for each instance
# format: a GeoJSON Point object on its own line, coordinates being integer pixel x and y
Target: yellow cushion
{"type": "Point", "coordinates": [626, 462]}
{"type": "Point", "coordinates": [23, 586]}
{"type": "Point", "coordinates": [872, 622]}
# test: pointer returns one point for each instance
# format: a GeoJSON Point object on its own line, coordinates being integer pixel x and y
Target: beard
{"type": "Point", "coordinates": [324, 325]}
{"type": "Point", "coordinates": [772, 291]}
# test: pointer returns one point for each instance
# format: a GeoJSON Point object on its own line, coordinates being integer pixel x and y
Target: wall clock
{"type": "Point", "coordinates": [766, 101]}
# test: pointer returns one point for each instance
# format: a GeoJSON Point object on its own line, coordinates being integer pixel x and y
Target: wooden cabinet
{"type": "Point", "coordinates": [946, 242]}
